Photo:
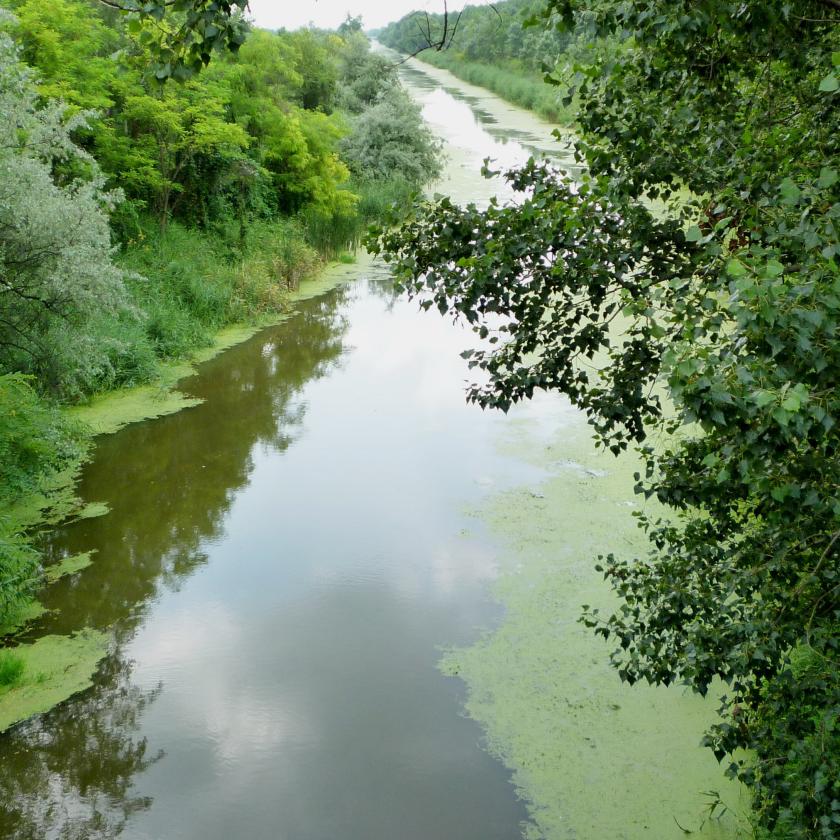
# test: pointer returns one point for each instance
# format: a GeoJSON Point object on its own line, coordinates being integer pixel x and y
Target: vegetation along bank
{"type": "Point", "coordinates": [144, 222]}
{"type": "Point", "coordinates": [495, 48]}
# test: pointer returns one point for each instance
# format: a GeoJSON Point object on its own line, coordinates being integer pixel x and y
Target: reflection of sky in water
{"type": "Point", "coordinates": [344, 553]}
{"type": "Point", "coordinates": [477, 126]}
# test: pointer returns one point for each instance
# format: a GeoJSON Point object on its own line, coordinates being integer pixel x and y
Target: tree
{"type": "Point", "coordinates": [177, 126]}
{"type": "Point", "coordinates": [390, 140]}
{"type": "Point", "coordinates": [687, 291]}
{"type": "Point", "coordinates": [56, 272]}
{"type": "Point", "coordinates": [182, 34]}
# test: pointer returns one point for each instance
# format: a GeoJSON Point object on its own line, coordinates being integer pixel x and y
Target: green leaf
{"type": "Point", "coordinates": [763, 398]}
{"type": "Point", "coordinates": [693, 234]}
{"type": "Point", "coordinates": [774, 268]}
{"type": "Point", "coordinates": [735, 268]}
{"type": "Point", "coordinates": [829, 84]}
{"type": "Point", "coordinates": [791, 402]}
{"type": "Point", "coordinates": [790, 192]}
{"type": "Point", "coordinates": [828, 178]}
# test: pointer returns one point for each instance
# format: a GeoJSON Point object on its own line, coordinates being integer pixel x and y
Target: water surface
{"type": "Point", "coordinates": [280, 568]}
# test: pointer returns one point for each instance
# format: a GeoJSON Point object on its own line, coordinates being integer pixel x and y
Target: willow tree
{"type": "Point", "coordinates": [57, 279]}
{"type": "Point", "coordinates": [696, 263]}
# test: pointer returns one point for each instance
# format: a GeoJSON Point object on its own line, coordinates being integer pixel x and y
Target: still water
{"type": "Point", "coordinates": [280, 569]}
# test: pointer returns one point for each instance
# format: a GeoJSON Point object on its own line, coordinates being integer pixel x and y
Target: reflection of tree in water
{"type": "Point", "coordinates": [170, 482]}
{"type": "Point", "coordinates": [381, 282]}
{"type": "Point", "coordinates": [68, 774]}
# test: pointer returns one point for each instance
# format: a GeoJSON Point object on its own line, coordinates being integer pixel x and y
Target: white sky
{"type": "Point", "coordinates": [328, 14]}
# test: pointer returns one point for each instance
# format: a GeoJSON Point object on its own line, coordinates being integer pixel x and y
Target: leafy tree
{"type": "Point", "coordinates": [182, 34]}
{"type": "Point", "coordinates": [364, 74]}
{"type": "Point", "coordinates": [56, 271]}
{"type": "Point", "coordinates": [177, 126]}
{"type": "Point", "coordinates": [390, 139]}
{"type": "Point", "coordinates": [72, 47]}
{"type": "Point", "coordinates": [686, 291]}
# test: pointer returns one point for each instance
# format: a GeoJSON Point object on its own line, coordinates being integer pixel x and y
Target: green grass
{"type": "Point", "coordinates": [333, 235]}
{"type": "Point", "coordinates": [528, 90]}
{"type": "Point", "coordinates": [191, 283]}
{"type": "Point", "coordinates": [11, 668]}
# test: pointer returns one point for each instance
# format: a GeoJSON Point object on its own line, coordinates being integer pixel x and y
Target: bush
{"type": "Point", "coordinates": [11, 668]}
{"type": "Point", "coordinates": [35, 439]}
{"type": "Point", "coordinates": [55, 243]}
{"type": "Point", "coordinates": [390, 140]}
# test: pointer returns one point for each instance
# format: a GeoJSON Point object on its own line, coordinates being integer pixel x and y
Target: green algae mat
{"type": "Point", "coordinates": [592, 757]}
{"type": "Point", "coordinates": [55, 668]}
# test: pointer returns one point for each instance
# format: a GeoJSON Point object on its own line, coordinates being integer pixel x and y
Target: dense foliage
{"type": "Point", "coordinates": [55, 264]}
{"type": "Point", "coordinates": [686, 294]}
{"type": "Point", "coordinates": [390, 140]}
{"type": "Point", "coordinates": [182, 34]}
{"type": "Point", "coordinates": [36, 441]}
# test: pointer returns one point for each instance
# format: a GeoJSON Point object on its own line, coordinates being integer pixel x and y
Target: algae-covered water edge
{"type": "Point", "coordinates": [593, 757]}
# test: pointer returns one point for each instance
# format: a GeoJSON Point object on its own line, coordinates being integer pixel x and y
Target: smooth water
{"type": "Point", "coordinates": [280, 568]}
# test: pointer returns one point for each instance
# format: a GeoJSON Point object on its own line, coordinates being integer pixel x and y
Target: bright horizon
{"type": "Point", "coordinates": [328, 14]}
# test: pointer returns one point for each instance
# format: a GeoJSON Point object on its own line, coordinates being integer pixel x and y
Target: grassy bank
{"type": "Point", "coordinates": [518, 86]}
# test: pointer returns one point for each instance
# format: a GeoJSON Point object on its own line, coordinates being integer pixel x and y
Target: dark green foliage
{"type": "Point", "coordinates": [687, 291]}
{"type": "Point", "coordinates": [796, 781]}
{"type": "Point", "coordinates": [182, 34]}
{"type": "Point", "coordinates": [36, 442]}
{"type": "Point", "coordinates": [35, 439]}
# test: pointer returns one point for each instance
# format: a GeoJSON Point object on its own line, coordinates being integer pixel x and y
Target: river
{"type": "Point", "coordinates": [281, 568]}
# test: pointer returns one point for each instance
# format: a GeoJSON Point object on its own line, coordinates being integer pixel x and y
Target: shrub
{"type": "Point", "coordinates": [11, 668]}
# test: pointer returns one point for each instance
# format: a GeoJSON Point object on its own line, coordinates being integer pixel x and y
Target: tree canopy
{"type": "Point", "coordinates": [685, 293]}
{"type": "Point", "coordinates": [182, 34]}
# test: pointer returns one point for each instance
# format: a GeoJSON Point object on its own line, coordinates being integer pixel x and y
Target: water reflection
{"type": "Point", "coordinates": [43, 795]}
{"type": "Point", "coordinates": [171, 482]}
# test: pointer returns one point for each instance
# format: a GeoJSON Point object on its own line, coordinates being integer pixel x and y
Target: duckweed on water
{"type": "Point", "coordinates": [23, 614]}
{"type": "Point", "coordinates": [71, 565]}
{"type": "Point", "coordinates": [55, 668]}
{"type": "Point", "coordinates": [591, 757]}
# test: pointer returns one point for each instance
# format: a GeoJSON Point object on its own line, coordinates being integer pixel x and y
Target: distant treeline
{"type": "Point", "coordinates": [491, 46]}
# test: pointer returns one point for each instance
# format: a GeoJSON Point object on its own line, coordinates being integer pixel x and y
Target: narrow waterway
{"type": "Point", "coordinates": [280, 569]}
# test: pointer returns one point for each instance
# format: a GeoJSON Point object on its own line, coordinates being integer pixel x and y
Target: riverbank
{"type": "Point", "coordinates": [514, 85]}
{"type": "Point", "coordinates": [51, 669]}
